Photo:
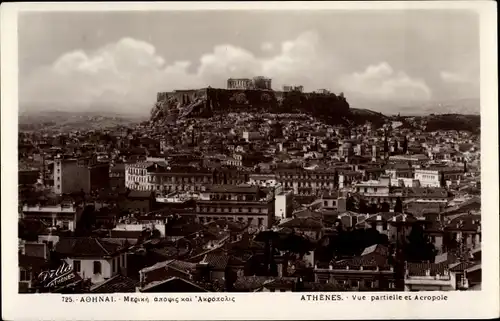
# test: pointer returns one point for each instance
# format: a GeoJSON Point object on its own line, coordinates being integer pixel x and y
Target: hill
{"type": "Point", "coordinates": [68, 121]}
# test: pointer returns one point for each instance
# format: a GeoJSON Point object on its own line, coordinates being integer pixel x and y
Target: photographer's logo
{"type": "Point", "coordinates": [56, 278]}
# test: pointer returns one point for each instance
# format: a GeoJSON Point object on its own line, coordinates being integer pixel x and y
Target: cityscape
{"type": "Point", "coordinates": [259, 183]}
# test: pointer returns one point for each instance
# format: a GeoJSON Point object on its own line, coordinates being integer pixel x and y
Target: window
{"type": "Point", "coordinates": [25, 275]}
{"type": "Point", "coordinates": [355, 283]}
{"type": "Point", "coordinates": [370, 284]}
{"type": "Point", "coordinates": [391, 285]}
{"type": "Point", "coordinates": [77, 266]}
{"type": "Point", "coordinates": [113, 265]}
{"type": "Point", "coordinates": [65, 225]}
{"type": "Point", "coordinates": [261, 221]}
{"type": "Point", "coordinates": [97, 267]}
{"type": "Point", "coordinates": [325, 203]}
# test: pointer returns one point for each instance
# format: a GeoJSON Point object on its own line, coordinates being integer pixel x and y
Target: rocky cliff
{"type": "Point", "coordinates": [210, 101]}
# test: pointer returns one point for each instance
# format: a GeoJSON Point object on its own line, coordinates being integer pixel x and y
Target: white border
{"type": "Point", "coordinates": [480, 304]}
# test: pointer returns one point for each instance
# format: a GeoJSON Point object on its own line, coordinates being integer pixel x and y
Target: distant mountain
{"type": "Point", "coordinates": [466, 106]}
{"type": "Point", "coordinates": [68, 121]}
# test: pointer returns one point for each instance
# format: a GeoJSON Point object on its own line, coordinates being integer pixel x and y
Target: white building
{"type": "Point", "coordinates": [436, 277]}
{"type": "Point", "coordinates": [283, 205]}
{"type": "Point", "coordinates": [92, 258]}
{"type": "Point", "coordinates": [63, 215]}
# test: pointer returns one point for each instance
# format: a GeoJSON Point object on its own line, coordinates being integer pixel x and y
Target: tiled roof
{"type": "Point", "coordinates": [461, 266]}
{"type": "Point", "coordinates": [419, 269]}
{"type": "Point", "coordinates": [186, 267]}
{"type": "Point", "coordinates": [85, 246]}
{"type": "Point", "coordinates": [116, 284]}
{"type": "Point", "coordinates": [281, 282]}
{"type": "Point", "coordinates": [303, 223]}
{"type": "Point", "coordinates": [32, 262]}
{"type": "Point", "coordinates": [173, 281]}
{"type": "Point", "coordinates": [400, 217]}
{"type": "Point", "coordinates": [445, 257]}
{"type": "Point", "coordinates": [139, 194]}
{"type": "Point", "coordinates": [321, 287]}
{"type": "Point", "coordinates": [427, 192]}
{"type": "Point", "coordinates": [465, 222]}
{"type": "Point", "coordinates": [473, 203]}
{"type": "Point", "coordinates": [367, 262]}
{"type": "Point", "coordinates": [169, 252]}
{"type": "Point", "coordinates": [216, 261]}
{"type": "Point", "coordinates": [233, 189]}
{"type": "Point", "coordinates": [250, 282]}
{"type": "Point", "coordinates": [376, 248]}
{"type": "Point", "coordinates": [382, 216]}
{"type": "Point", "coordinates": [125, 234]}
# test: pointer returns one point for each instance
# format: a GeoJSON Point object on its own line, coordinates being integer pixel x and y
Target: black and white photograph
{"type": "Point", "coordinates": [246, 151]}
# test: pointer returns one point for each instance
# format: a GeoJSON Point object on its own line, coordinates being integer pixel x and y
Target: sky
{"type": "Point", "coordinates": [118, 61]}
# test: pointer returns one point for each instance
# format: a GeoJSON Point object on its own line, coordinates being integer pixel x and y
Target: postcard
{"type": "Point", "coordinates": [249, 160]}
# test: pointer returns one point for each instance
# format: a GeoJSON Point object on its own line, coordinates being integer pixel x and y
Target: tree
{"type": "Point", "coordinates": [443, 180]}
{"type": "Point", "coordinates": [363, 208]}
{"type": "Point", "coordinates": [351, 204]}
{"type": "Point", "coordinates": [465, 166]}
{"type": "Point", "coordinates": [418, 248]}
{"type": "Point", "coordinates": [385, 207]}
{"type": "Point", "coordinates": [372, 208]}
{"type": "Point", "coordinates": [405, 145]}
{"type": "Point", "coordinates": [386, 144]}
{"type": "Point", "coordinates": [398, 207]}
{"type": "Point", "coordinates": [336, 179]}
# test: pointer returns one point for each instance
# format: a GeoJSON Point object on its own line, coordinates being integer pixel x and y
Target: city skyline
{"type": "Point", "coordinates": [98, 66]}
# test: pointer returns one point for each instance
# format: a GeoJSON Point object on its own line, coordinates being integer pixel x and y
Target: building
{"type": "Point", "coordinates": [117, 176]}
{"type": "Point", "coordinates": [397, 226]}
{"type": "Point", "coordinates": [92, 258]}
{"type": "Point", "coordinates": [262, 83]}
{"type": "Point", "coordinates": [370, 271]}
{"type": "Point", "coordinates": [152, 176]}
{"type": "Point", "coordinates": [399, 170]}
{"type": "Point", "coordinates": [239, 83]}
{"type": "Point", "coordinates": [28, 176]}
{"type": "Point", "coordinates": [283, 206]}
{"type": "Point", "coordinates": [431, 177]}
{"type": "Point", "coordinates": [290, 88]}
{"type": "Point", "coordinates": [77, 175]}
{"type": "Point", "coordinates": [376, 191]}
{"type": "Point", "coordinates": [333, 201]}
{"type": "Point", "coordinates": [258, 82]}
{"type": "Point", "coordinates": [306, 182]}
{"type": "Point", "coordinates": [251, 136]}
{"type": "Point", "coordinates": [243, 203]}
{"type": "Point", "coordinates": [65, 215]}
{"type": "Point", "coordinates": [429, 277]}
